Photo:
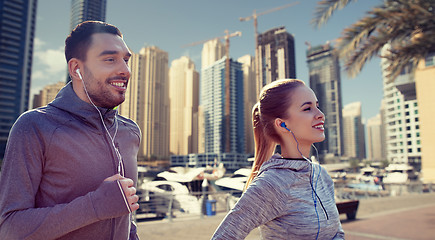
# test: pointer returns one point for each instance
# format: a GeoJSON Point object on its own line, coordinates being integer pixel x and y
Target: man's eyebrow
{"type": "Point", "coordinates": [108, 52]}
{"type": "Point", "coordinates": [112, 52]}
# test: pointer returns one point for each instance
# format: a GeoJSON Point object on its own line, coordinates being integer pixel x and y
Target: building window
{"type": "Point", "coordinates": [408, 121]}
{"type": "Point", "coordinates": [416, 111]}
{"type": "Point", "coordinates": [418, 149]}
{"type": "Point", "coordinates": [408, 135]}
{"type": "Point", "coordinates": [430, 59]}
{"type": "Point", "coordinates": [408, 128]}
{"type": "Point", "coordinates": [416, 119]}
{"type": "Point", "coordinates": [410, 150]}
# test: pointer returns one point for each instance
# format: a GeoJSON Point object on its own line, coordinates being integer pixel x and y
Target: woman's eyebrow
{"type": "Point", "coordinates": [309, 103]}
{"type": "Point", "coordinates": [306, 103]}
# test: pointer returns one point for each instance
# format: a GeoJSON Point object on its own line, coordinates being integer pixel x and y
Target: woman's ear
{"type": "Point", "coordinates": [280, 125]}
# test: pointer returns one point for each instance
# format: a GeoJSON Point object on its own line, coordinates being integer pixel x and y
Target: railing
{"type": "Point", "coordinates": [197, 204]}
{"type": "Point", "coordinates": [203, 204]}
{"type": "Point", "coordinates": [414, 187]}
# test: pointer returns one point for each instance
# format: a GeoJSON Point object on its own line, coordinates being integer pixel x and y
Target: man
{"type": "Point", "coordinates": [70, 167]}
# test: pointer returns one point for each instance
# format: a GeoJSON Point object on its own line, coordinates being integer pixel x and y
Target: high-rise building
{"type": "Point", "coordinates": [324, 74]}
{"type": "Point", "coordinates": [353, 132]}
{"type": "Point", "coordinates": [425, 87]}
{"type": "Point", "coordinates": [84, 10]}
{"type": "Point", "coordinates": [276, 59]}
{"type": "Point", "coordinates": [402, 124]}
{"type": "Point", "coordinates": [250, 98]}
{"type": "Point", "coordinates": [47, 94]}
{"type": "Point", "coordinates": [375, 139]}
{"type": "Point", "coordinates": [17, 30]}
{"type": "Point", "coordinates": [147, 101]}
{"type": "Point", "coordinates": [184, 101]}
{"type": "Point", "coordinates": [213, 95]}
{"type": "Point", "coordinates": [212, 51]}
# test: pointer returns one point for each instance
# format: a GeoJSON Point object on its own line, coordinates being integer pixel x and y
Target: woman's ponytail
{"type": "Point", "coordinates": [264, 146]}
{"type": "Point", "coordinates": [274, 99]}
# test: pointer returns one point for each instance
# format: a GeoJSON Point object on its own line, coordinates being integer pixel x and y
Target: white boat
{"type": "Point", "coordinates": [236, 182]}
{"type": "Point", "coordinates": [399, 173]}
{"type": "Point", "coordinates": [156, 196]}
{"type": "Point", "coordinates": [187, 174]}
{"type": "Point", "coordinates": [367, 175]}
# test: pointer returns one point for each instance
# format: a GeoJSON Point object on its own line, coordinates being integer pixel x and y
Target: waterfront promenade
{"type": "Point", "coordinates": [396, 218]}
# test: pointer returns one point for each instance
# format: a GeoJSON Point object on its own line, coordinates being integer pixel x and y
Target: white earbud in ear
{"type": "Point", "coordinates": [78, 72]}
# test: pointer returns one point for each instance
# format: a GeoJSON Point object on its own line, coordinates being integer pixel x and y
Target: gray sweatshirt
{"type": "Point", "coordinates": [52, 176]}
{"type": "Point", "coordinates": [280, 201]}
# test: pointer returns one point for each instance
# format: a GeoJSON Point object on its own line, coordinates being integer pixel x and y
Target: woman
{"type": "Point", "coordinates": [286, 195]}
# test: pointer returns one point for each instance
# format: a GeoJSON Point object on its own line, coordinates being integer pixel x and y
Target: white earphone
{"type": "Point", "coordinates": [78, 72]}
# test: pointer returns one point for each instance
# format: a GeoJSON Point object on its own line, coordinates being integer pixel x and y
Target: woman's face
{"type": "Point", "coordinates": [305, 118]}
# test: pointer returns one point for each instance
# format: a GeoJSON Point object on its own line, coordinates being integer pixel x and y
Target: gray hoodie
{"type": "Point", "coordinates": [52, 176]}
{"type": "Point", "coordinates": [280, 201]}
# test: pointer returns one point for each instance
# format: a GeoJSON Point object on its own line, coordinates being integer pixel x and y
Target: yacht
{"type": "Point", "coordinates": [399, 173]}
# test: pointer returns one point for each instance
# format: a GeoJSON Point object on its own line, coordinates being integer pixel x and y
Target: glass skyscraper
{"type": "Point", "coordinates": [84, 10]}
{"type": "Point", "coordinates": [218, 139]}
{"type": "Point", "coordinates": [17, 30]}
{"type": "Point", "coordinates": [324, 74]}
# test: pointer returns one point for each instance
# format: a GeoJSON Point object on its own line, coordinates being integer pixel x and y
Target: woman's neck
{"type": "Point", "coordinates": [291, 151]}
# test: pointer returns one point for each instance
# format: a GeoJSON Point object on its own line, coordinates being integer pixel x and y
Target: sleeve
{"type": "Point", "coordinates": [21, 175]}
{"type": "Point", "coordinates": [258, 205]}
{"type": "Point", "coordinates": [133, 231]}
{"type": "Point", "coordinates": [340, 233]}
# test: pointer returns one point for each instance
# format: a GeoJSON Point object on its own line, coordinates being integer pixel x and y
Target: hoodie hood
{"type": "Point", "coordinates": [68, 101]}
{"type": "Point", "coordinates": [277, 162]}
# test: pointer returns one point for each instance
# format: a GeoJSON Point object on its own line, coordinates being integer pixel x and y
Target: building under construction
{"type": "Point", "coordinates": [276, 49]}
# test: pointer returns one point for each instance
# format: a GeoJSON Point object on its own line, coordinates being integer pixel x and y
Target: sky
{"type": "Point", "coordinates": [171, 24]}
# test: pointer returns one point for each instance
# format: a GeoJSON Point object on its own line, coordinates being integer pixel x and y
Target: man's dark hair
{"type": "Point", "coordinates": [79, 40]}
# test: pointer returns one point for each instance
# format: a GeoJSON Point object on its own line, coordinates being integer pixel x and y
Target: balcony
{"type": "Point", "coordinates": [406, 85]}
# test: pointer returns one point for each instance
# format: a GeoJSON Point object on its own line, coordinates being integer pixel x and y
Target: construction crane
{"type": "Point", "coordinates": [254, 17]}
{"type": "Point", "coordinates": [227, 37]}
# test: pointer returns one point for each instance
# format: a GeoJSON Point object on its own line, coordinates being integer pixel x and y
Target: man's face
{"type": "Point", "coordinates": [106, 72]}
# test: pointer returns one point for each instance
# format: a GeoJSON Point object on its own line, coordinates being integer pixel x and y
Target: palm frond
{"type": "Point", "coordinates": [402, 56]}
{"type": "Point", "coordinates": [397, 22]}
{"type": "Point", "coordinates": [325, 9]}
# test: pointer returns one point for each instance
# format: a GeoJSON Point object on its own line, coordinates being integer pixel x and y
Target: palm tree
{"type": "Point", "coordinates": [408, 25]}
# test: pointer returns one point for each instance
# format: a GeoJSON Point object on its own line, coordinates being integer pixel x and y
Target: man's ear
{"type": "Point", "coordinates": [73, 65]}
